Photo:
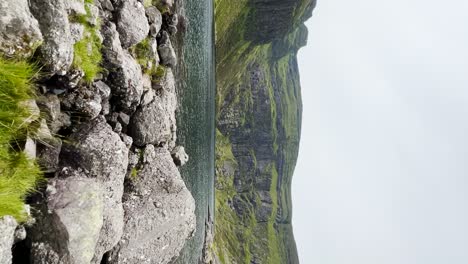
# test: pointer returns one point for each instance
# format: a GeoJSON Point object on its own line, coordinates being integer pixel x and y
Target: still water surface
{"type": "Point", "coordinates": [195, 118]}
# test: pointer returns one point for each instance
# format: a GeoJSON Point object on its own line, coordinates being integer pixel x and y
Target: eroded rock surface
{"type": "Point", "coordinates": [57, 48]}
{"type": "Point", "coordinates": [125, 76]}
{"type": "Point", "coordinates": [7, 237]}
{"type": "Point", "coordinates": [132, 24]}
{"type": "Point", "coordinates": [159, 213]}
{"type": "Point", "coordinates": [19, 30]}
{"type": "Point", "coordinates": [155, 122]}
{"type": "Point", "coordinates": [69, 222]}
{"type": "Point", "coordinates": [100, 151]}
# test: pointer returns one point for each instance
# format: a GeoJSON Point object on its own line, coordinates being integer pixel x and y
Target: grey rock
{"type": "Point", "coordinates": [57, 48]}
{"type": "Point", "coordinates": [155, 122]}
{"type": "Point", "coordinates": [7, 237]}
{"type": "Point", "coordinates": [154, 18]}
{"type": "Point", "coordinates": [106, 4]}
{"type": "Point", "coordinates": [75, 7]}
{"type": "Point", "coordinates": [50, 106]}
{"type": "Point", "coordinates": [105, 92]}
{"type": "Point", "coordinates": [171, 19]}
{"type": "Point", "coordinates": [76, 31]}
{"type": "Point", "coordinates": [124, 119]}
{"type": "Point", "coordinates": [33, 110]}
{"type": "Point", "coordinates": [48, 152]}
{"type": "Point", "coordinates": [100, 151]}
{"type": "Point", "coordinates": [166, 51]}
{"type": "Point", "coordinates": [19, 30]}
{"type": "Point", "coordinates": [172, 29]}
{"type": "Point", "coordinates": [132, 24]}
{"type": "Point", "coordinates": [148, 97]}
{"type": "Point", "coordinates": [83, 101]}
{"type": "Point", "coordinates": [159, 213]}
{"type": "Point", "coordinates": [168, 2]}
{"type": "Point", "coordinates": [125, 77]}
{"type": "Point", "coordinates": [93, 17]}
{"type": "Point", "coordinates": [180, 156]}
{"type": "Point", "coordinates": [20, 234]}
{"type": "Point", "coordinates": [69, 221]}
{"type": "Point", "coordinates": [154, 50]}
{"type": "Point", "coordinates": [30, 148]}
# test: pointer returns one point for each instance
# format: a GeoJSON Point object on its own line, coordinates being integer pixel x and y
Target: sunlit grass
{"type": "Point", "coordinates": [18, 173]}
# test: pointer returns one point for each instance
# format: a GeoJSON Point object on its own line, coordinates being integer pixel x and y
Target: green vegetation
{"type": "Point", "coordinates": [239, 238]}
{"type": "Point", "coordinates": [163, 8]}
{"type": "Point", "coordinates": [145, 57]}
{"type": "Point", "coordinates": [87, 56]}
{"type": "Point", "coordinates": [18, 173]}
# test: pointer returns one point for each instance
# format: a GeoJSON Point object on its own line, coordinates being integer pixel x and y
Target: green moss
{"type": "Point", "coordinates": [163, 8]}
{"type": "Point", "coordinates": [87, 54]}
{"type": "Point", "coordinates": [134, 173]}
{"type": "Point", "coordinates": [18, 174]}
{"type": "Point", "coordinates": [147, 3]}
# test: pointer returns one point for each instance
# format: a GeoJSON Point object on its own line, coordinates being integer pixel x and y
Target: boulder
{"type": "Point", "coordinates": [68, 221]}
{"type": "Point", "coordinates": [125, 76]}
{"type": "Point", "coordinates": [154, 18]}
{"type": "Point", "coordinates": [159, 213]}
{"type": "Point", "coordinates": [132, 24]}
{"type": "Point", "coordinates": [166, 50]}
{"type": "Point", "coordinates": [50, 106]}
{"type": "Point", "coordinates": [19, 30]}
{"type": "Point", "coordinates": [179, 155]}
{"type": "Point", "coordinates": [95, 148]}
{"type": "Point", "coordinates": [155, 122]}
{"type": "Point", "coordinates": [83, 102]}
{"type": "Point", "coordinates": [57, 48]}
{"type": "Point", "coordinates": [7, 237]}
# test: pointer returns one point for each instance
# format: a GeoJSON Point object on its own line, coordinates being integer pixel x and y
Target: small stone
{"type": "Point", "coordinates": [179, 156]}
{"type": "Point", "coordinates": [30, 148]}
{"type": "Point", "coordinates": [166, 51]}
{"type": "Point", "coordinates": [20, 234]}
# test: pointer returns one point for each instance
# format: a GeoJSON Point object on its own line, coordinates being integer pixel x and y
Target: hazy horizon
{"type": "Point", "coordinates": [382, 172]}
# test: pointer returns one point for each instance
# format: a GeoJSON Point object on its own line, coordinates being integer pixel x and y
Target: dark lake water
{"type": "Point", "coordinates": [195, 118]}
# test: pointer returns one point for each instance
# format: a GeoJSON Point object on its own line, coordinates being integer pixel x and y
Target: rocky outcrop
{"type": "Point", "coordinates": [155, 122]}
{"type": "Point", "coordinates": [99, 151]}
{"type": "Point", "coordinates": [125, 76]}
{"type": "Point", "coordinates": [159, 210]}
{"type": "Point", "coordinates": [102, 200]}
{"type": "Point", "coordinates": [67, 230]}
{"type": "Point", "coordinates": [19, 30]}
{"type": "Point", "coordinates": [7, 237]}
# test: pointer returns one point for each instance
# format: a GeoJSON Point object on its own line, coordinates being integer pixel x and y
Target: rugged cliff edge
{"type": "Point", "coordinates": [258, 127]}
{"type": "Point", "coordinates": [100, 125]}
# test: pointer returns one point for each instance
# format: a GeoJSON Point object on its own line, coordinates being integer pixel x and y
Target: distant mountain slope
{"type": "Point", "coordinates": [258, 127]}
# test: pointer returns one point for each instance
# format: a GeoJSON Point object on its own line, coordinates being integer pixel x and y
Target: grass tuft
{"type": "Point", "coordinates": [18, 173]}
{"type": "Point", "coordinates": [87, 56]}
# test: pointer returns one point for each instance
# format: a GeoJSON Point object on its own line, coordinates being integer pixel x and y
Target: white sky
{"type": "Point", "coordinates": [382, 176]}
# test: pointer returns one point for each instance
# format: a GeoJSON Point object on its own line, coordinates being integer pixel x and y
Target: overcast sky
{"type": "Point", "coordinates": [382, 176]}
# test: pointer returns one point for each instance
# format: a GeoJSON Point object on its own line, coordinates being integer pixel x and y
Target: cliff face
{"type": "Point", "coordinates": [258, 121]}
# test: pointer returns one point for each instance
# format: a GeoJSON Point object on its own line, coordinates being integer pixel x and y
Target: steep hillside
{"type": "Point", "coordinates": [258, 120]}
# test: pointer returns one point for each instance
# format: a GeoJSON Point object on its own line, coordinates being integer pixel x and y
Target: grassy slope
{"type": "Point", "coordinates": [238, 238]}
{"type": "Point", "coordinates": [18, 173]}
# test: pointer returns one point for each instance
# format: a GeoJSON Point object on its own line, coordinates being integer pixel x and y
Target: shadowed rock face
{"type": "Point", "coordinates": [259, 113]}
{"type": "Point", "coordinates": [273, 19]}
